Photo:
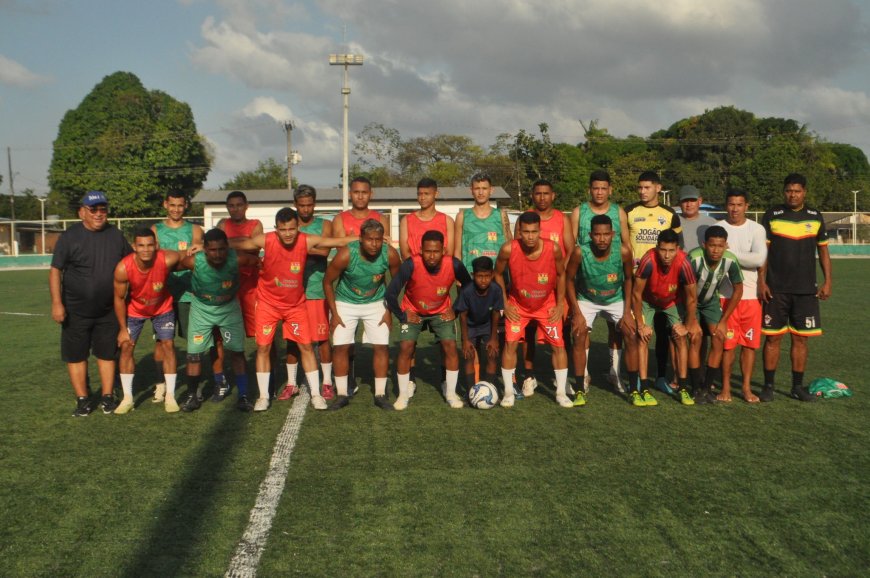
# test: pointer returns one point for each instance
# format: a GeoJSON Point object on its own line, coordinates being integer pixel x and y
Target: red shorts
{"type": "Point", "coordinates": [248, 300]}
{"type": "Point", "coordinates": [744, 325]}
{"type": "Point", "coordinates": [297, 326]}
{"type": "Point", "coordinates": [318, 314]}
{"type": "Point", "coordinates": [550, 332]}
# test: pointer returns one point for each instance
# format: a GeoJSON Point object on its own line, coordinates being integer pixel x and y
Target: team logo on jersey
{"type": "Point", "coordinates": [729, 334]}
{"type": "Point", "coordinates": [267, 329]}
{"type": "Point", "coordinates": [661, 220]}
{"type": "Point", "coordinates": [198, 339]}
{"type": "Point", "coordinates": [474, 252]}
{"type": "Point", "coordinates": [441, 291]}
{"type": "Point", "coordinates": [612, 277]}
{"type": "Point", "coordinates": [672, 288]}
{"type": "Point", "coordinates": [182, 245]}
{"type": "Point", "coordinates": [492, 236]}
{"type": "Point", "coordinates": [295, 267]}
{"type": "Point", "coordinates": [226, 284]}
{"type": "Point", "coordinates": [515, 328]}
{"type": "Point", "coordinates": [808, 227]}
{"type": "Point", "coordinates": [157, 287]}
{"type": "Point", "coordinates": [543, 278]}
{"type": "Point", "coordinates": [554, 237]}
{"type": "Point", "coordinates": [377, 278]}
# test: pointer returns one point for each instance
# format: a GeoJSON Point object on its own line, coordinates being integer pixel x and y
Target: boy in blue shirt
{"type": "Point", "coordinates": [479, 307]}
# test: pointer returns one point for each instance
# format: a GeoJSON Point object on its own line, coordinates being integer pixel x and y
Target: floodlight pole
{"type": "Point", "coordinates": [345, 60]}
{"type": "Point", "coordinates": [666, 196]}
{"type": "Point", "coordinates": [855, 217]}
{"type": "Point", "coordinates": [42, 201]}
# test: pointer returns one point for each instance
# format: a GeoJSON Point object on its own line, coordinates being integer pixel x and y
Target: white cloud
{"type": "Point", "coordinates": [14, 74]}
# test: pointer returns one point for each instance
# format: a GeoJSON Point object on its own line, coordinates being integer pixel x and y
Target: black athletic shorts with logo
{"type": "Point", "coordinates": [81, 336]}
{"type": "Point", "coordinates": [787, 312]}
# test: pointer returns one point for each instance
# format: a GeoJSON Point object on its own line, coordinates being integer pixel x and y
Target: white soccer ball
{"type": "Point", "coordinates": [483, 395]}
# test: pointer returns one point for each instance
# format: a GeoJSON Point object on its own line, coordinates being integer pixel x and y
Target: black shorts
{"type": "Point", "coordinates": [81, 336]}
{"type": "Point", "coordinates": [787, 312]}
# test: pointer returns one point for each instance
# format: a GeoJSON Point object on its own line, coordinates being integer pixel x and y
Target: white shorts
{"type": "Point", "coordinates": [611, 312]}
{"type": "Point", "coordinates": [370, 314]}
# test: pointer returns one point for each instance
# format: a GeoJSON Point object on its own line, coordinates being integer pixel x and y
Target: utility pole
{"type": "Point", "coordinates": [345, 60]}
{"type": "Point", "coordinates": [11, 187]}
{"type": "Point", "coordinates": [288, 129]}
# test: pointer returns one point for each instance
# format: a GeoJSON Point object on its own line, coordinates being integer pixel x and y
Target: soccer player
{"type": "Point", "coordinates": [663, 275]}
{"type": "Point", "coordinates": [556, 227]}
{"type": "Point", "coordinates": [599, 203]}
{"type": "Point", "coordinates": [646, 219]}
{"type": "Point", "coordinates": [239, 226]}
{"type": "Point", "coordinates": [82, 298]}
{"type": "Point", "coordinates": [214, 284]}
{"type": "Point", "coordinates": [175, 233]}
{"type": "Point", "coordinates": [414, 225]}
{"type": "Point", "coordinates": [348, 223]}
{"type": "Point", "coordinates": [789, 289]}
{"type": "Point", "coordinates": [537, 273]}
{"type": "Point", "coordinates": [714, 266]}
{"type": "Point", "coordinates": [599, 278]}
{"type": "Point", "coordinates": [427, 278]}
{"type": "Point", "coordinates": [142, 293]}
{"type": "Point", "coordinates": [479, 307]}
{"type": "Point", "coordinates": [304, 199]}
{"type": "Point", "coordinates": [692, 222]}
{"type": "Point", "coordinates": [748, 242]}
{"type": "Point", "coordinates": [281, 297]}
{"type": "Point", "coordinates": [482, 229]}
{"type": "Point", "coordinates": [360, 269]}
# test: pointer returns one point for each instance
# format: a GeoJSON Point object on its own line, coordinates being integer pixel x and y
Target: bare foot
{"type": "Point", "coordinates": [750, 397]}
{"type": "Point", "coordinates": [725, 397]}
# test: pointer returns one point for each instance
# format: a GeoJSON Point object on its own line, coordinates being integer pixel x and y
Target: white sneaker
{"type": "Point", "coordinates": [412, 389]}
{"type": "Point", "coordinates": [262, 404]}
{"type": "Point", "coordinates": [455, 403]}
{"type": "Point", "coordinates": [401, 403]}
{"type": "Point", "coordinates": [125, 406]}
{"type": "Point", "coordinates": [317, 402]}
{"type": "Point", "coordinates": [614, 379]}
{"type": "Point", "coordinates": [507, 401]}
{"type": "Point", "coordinates": [159, 393]}
{"type": "Point", "coordinates": [564, 401]}
{"type": "Point", "coordinates": [529, 385]}
{"type": "Point", "coordinates": [171, 405]}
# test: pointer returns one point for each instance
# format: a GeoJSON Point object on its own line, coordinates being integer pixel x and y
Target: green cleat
{"type": "Point", "coordinates": [637, 399]}
{"type": "Point", "coordinates": [580, 400]}
{"type": "Point", "coordinates": [648, 399]}
{"type": "Point", "coordinates": [684, 396]}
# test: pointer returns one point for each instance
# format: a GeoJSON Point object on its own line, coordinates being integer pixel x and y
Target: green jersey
{"type": "Point", "coordinates": [481, 237]}
{"type": "Point", "coordinates": [585, 226]}
{"type": "Point", "coordinates": [212, 286]}
{"type": "Point", "coordinates": [710, 280]}
{"type": "Point", "coordinates": [177, 239]}
{"type": "Point", "coordinates": [600, 282]}
{"type": "Point", "coordinates": [363, 281]}
{"type": "Point", "coordinates": [315, 265]}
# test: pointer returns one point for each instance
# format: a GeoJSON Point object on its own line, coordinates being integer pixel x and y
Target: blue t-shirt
{"type": "Point", "coordinates": [479, 307]}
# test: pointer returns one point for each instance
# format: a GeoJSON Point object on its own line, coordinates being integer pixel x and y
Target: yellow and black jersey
{"type": "Point", "coordinates": [792, 238]}
{"type": "Point", "coordinates": [645, 224]}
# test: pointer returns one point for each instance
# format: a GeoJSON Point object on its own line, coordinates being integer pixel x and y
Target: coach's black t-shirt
{"type": "Point", "coordinates": [479, 307]}
{"type": "Point", "coordinates": [87, 260]}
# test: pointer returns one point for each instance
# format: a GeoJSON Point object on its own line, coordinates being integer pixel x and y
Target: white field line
{"type": "Point", "coordinates": [22, 314]}
{"type": "Point", "coordinates": [250, 548]}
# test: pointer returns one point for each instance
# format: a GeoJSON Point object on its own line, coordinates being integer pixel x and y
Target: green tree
{"type": "Point", "coordinates": [134, 144]}
{"type": "Point", "coordinates": [269, 174]}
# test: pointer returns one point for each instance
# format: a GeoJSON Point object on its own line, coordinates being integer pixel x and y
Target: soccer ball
{"type": "Point", "coordinates": [483, 395]}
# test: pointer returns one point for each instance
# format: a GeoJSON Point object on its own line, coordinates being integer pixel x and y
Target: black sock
{"type": "Point", "coordinates": [578, 381]}
{"type": "Point", "coordinates": [769, 377]}
{"type": "Point", "coordinates": [633, 383]}
{"type": "Point", "coordinates": [710, 378]}
{"type": "Point", "coordinates": [413, 374]}
{"type": "Point", "coordinates": [192, 384]}
{"type": "Point", "coordinates": [797, 379]}
{"type": "Point", "coordinates": [490, 377]}
{"type": "Point", "coordinates": [696, 379]}
{"type": "Point", "coordinates": [469, 381]}
{"type": "Point", "coordinates": [681, 382]}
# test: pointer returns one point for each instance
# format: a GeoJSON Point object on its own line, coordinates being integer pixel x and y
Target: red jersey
{"type": "Point", "coordinates": [662, 288]}
{"type": "Point", "coordinates": [148, 295]}
{"type": "Point", "coordinates": [533, 281]}
{"type": "Point", "coordinates": [235, 230]}
{"type": "Point", "coordinates": [429, 293]}
{"type": "Point", "coordinates": [417, 228]}
{"type": "Point", "coordinates": [281, 282]}
{"type": "Point", "coordinates": [554, 230]}
{"type": "Point", "coordinates": [352, 225]}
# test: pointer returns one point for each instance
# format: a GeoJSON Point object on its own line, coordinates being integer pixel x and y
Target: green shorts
{"type": "Point", "coordinates": [443, 330]}
{"type": "Point", "coordinates": [671, 313]}
{"type": "Point", "coordinates": [226, 317]}
{"type": "Point", "coordinates": [709, 313]}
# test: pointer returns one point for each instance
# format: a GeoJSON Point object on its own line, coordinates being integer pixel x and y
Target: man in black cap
{"type": "Point", "coordinates": [82, 298]}
{"type": "Point", "coordinates": [692, 222]}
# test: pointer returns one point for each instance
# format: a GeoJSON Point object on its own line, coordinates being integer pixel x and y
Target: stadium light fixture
{"type": "Point", "coordinates": [345, 60]}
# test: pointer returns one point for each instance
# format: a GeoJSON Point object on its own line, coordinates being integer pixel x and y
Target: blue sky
{"type": "Point", "coordinates": [479, 69]}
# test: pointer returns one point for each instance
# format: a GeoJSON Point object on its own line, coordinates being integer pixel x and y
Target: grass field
{"type": "Point", "coordinates": [739, 489]}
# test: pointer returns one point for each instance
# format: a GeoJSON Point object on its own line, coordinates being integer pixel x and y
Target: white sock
{"type": "Point", "coordinates": [341, 384]}
{"type": "Point", "coordinates": [561, 381]}
{"type": "Point", "coordinates": [127, 385]}
{"type": "Point", "coordinates": [380, 386]}
{"type": "Point", "coordinates": [291, 373]}
{"type": "Point", "coordinates": [586, 367]}
{"type": "Point", "coordinates": [403, 379]}
{"type": "Point", "coordinates": [313, 378]}
{"type": "Point", "coordinates": [507, 375]}
{"type": "Point", "coordinates": [452, 378]}
{"type": "Point", "coordinates": [263, 384]}
{"type": "Point", "coordinates": [170, 384]}
{"type": "Point", "coordinates": [327, 372]}
{"type": "Point", "coordinates": [615, 360]}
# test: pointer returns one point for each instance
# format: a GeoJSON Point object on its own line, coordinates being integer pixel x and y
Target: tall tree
{"type": "Point", "coordinates": [132, 143]}
{"type": "Point", "coordinates": [269, 174]}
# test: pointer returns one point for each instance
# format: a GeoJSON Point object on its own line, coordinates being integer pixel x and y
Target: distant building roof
{"type": "Point", "coordinates": [382, 194]}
